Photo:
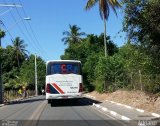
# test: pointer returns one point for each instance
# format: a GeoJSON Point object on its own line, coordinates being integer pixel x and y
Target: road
{"type": "Point", "coordinates": [37, 112]}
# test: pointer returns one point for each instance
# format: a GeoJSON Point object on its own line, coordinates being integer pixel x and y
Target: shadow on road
{"type": "Point", "coordinates": [73, 102]}
{"type": "Point", "coordinates": [27, 100]}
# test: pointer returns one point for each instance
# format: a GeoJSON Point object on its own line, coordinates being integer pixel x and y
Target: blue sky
{"type": "Point", "coordinates": [49, 18]}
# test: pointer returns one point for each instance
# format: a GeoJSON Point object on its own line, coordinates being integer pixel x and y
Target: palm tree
{"type": "Point", "coordinates": [2, 34]}
{"type": "Point", "coordinates": [19, 49]}
{"type": "Point", "coordinates": [73, 36]}
{"type": "Point", "coordinates": [104, 9]}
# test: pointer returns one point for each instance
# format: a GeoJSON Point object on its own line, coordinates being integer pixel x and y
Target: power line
{"type": "Point", "coordinates": [1, 22]}
{"type": "Point", "coordinates": [25, 25]}
{"type": "Point", "coordinates": [4, 12]}
{"type": "Point", "coordinates": [33, 33]}
{"type": "Point", "coordinates": [22, 30]}
{"type": "Point", "coordinates": [7, 30]}
{"type": "Point", "coordinates": [19, 29]}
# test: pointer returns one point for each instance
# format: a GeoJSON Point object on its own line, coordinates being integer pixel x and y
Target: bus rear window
{"type": "Point", "coordinates": [64, 68]}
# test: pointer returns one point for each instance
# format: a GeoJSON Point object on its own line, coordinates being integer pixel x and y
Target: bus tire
{"type": "Point", "coordinates": [49, 101]}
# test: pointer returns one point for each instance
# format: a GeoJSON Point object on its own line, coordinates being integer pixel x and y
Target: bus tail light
{"type": "Point", "coordinates": [80, 87]}
{"type": "Point", "coordinates": [48, 90]}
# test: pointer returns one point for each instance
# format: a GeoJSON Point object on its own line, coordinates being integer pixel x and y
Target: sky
{"type": "Point", "coordinates": [49, 19]}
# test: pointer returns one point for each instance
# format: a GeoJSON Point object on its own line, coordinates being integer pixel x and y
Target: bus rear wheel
{"type": "Point", "coordinates": [49, 101]}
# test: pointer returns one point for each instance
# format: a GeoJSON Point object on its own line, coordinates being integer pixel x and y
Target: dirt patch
{"type": "Point", "coordinates": [135, 99]}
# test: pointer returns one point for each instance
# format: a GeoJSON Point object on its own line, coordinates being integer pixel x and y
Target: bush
{"type": "Point", "coordinates": [111, 88]}
{"type": "Point", "coordinates": [99, 86]}
{"type": "Point", "coordinates": [111, 70]}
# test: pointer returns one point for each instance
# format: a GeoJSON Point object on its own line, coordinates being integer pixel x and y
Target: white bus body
{"type": "Point", "coordinates": [63, 79]}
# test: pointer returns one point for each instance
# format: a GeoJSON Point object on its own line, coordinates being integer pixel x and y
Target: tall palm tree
{"type": "Point", "coordinates": [2, 34]}
{"type": "Point", "coordinates": [19, 49]}
{"type": "Point", "coordinates": [73, 35]}
{"type": "Point", "coordinates": [104, 9]}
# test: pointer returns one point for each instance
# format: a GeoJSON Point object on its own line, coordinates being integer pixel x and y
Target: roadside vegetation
{"type": "Point", "coordinates": [135, 65]}
{"type": "Point", "coordinates": [18, 67]}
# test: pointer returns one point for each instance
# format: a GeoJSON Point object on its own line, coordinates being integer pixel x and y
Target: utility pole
{"type": "Point", "coordinates": [36, 91]}
{"type": "Point", "coordinates": [1, 85]}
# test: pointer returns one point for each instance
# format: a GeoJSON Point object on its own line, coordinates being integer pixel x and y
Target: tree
{"type": "Point", "coordinates": [88, 52]}
{"type": "Point", "coordinates": [110, 69]}
{"type": "Point", "coordinates": [73, 36]}
{"type": "Point", "coordinates": [142, 23]}
{"type": "Point", "coordinates": [104, 6]}
{"type": "Point", "coordinates": [27, 72]}
{"type": "Point", "coordinates": [19, 49]}
{"type": "Point", "coordinates": [73, 40]}
{"type": "Point", "coordinates": [10, 69]}
{"type": "Point", "coordinates": [137, 64]}
{"type": "Point", "coordinates": [2, 34]}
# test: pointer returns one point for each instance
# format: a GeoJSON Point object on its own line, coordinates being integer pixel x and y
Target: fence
{"type": "Point", "coordinates": [147, 83]}
{"type": "Point", "coordinates": [13, 95]}
{"type": "Point", "coordinates": [137, 81]}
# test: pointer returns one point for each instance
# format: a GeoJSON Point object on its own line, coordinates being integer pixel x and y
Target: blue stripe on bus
{"type": "Point", "coordinates": [53, 90]}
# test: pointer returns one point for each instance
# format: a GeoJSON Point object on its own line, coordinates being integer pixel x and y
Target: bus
{"type": "Point", "coordinates": [63, 79]}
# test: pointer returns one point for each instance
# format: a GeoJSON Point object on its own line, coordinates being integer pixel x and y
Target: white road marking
{"type": "Point", "coordinates": [156, 115]}
{"type": "Point", "coordinates": [113, 113]}
{"type": "Point", "coordinates": [104, 109]}
{"type": "Point", "coordinates": [125, 118]}
{"type": "Point", "coordinates": [122, 117]}
{"type": "Point", "coordinates": [129, 107]}
{"type": "Point", "coordinates": [114, 118]}
{"type": "Point", "coordinates": [98, 106]}
{"type": "Point", "coordinates": [119, 104]}
{"type": "Point", "coordinates": [140, 110]}
{"type": "Point", "coordinates": [112, 102]}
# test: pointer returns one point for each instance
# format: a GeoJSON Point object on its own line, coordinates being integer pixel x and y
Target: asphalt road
{"type": "Point", "coordinates": [37, 112]}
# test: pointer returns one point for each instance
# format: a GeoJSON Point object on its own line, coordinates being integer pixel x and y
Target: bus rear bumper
{"type": "Point", "coordinates": [63, 96]}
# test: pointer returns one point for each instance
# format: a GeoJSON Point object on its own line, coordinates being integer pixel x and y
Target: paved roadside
{"type": "Point", "coordinates": [15, 100]}
{"type": "Point", "coordinates": [125, 112]}
{"type": "Point", "coordinates": [129, 112]}
{"type": "Point", "coordinates": [1, 105]}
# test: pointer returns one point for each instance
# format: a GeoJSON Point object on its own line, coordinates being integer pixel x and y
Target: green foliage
{"type": "Point", "coordinates": [2, 34]}
{"type": "Point", "coordinates": [19, 50]}
{"type": "Point", "coordinates": [120, 69]}
{"type": "Point", "coordinates": [142, 23]}
{"type": "Point", "coordinates": [135, 65]}
{"type": "Point", "coordinates": [73, 35]}
{"type": "Point", "coordinates": [111, 88]}
{"type": "Point", "coordinates": [89, 65]}
{"type": "Point", "coordinates": [27, 72]}
{"type": "Point", "coordinates": [111, 71]}
{"type": "Point", "coordinates": [135, 58]}
{"type": "Point", "coordinates": [99, 86]}
{"type": "Point", "coordinates": [10, 79]}
{"type": "Point", "coordinates": [104, 10]}
{"type": "Point", "coordinates": [10, 68]}
{"type": "Point", "coordinates": [104, 6]}
{"type": "Point", "coordinates": [18, 68]}
{"type": "Point", "coordinates": [151, 83]}
{"type": "Point", "coordinates": [88, 50]}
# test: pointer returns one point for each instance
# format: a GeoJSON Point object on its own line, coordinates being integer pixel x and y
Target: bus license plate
{"type": "Point", "coordinates": [65, 97]}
